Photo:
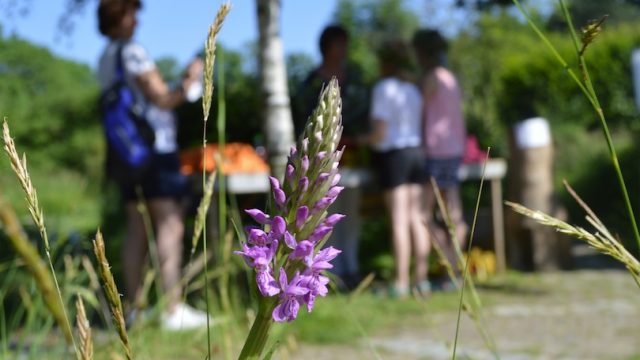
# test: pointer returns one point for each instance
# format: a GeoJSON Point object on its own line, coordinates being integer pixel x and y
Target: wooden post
{"type": "Point", "coordinates": [497, 218]}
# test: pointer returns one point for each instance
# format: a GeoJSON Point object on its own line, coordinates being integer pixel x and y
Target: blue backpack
{"type": "Point", "coordinates": [129, 136]}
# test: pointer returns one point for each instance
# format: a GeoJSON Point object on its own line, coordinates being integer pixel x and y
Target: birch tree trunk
{"type": "Point", "coordinates": [278, 124]}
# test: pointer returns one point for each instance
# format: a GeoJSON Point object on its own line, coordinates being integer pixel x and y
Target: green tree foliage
{"type": "Point", "coordinates": [477, 58]}
{"type": "Point", "coordinates": [52, 106]}
{"type": "Point", "coordinates": [551, 95]}
{"type": "Point", "coordinates": [299, 65]}
{"type": "Point", "coordinates": [370, 23]}
{"type": "Point", "coordinates": [507, 74]}
{"type": "Point", "coordinates": [583, 11]}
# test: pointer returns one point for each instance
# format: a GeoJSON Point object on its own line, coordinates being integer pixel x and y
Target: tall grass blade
{"type": "Point", "coordinates": [24, 248]}
{"type": "Point", "coordinates": [201, 214]}
{"type": "Point", "coordinates": [199, 228]}
{"type": "Point", "coordinates": [111, 291]}
{"type": "Point", "coordinates": [210, 50]}
{"type": "Point", "coordinates": [222, 190]}
{"type": "Point", "coordinates": [474, 308]}
{"type": "Point", "coordinates": [94, 284]}
{"type": "Point", "coordinates": [210, 57]}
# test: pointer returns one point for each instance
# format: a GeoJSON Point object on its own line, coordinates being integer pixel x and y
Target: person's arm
{"type": "Point", "coordinates": [156, 90]}
{"type": "Point", "coordinates": [377, 115]}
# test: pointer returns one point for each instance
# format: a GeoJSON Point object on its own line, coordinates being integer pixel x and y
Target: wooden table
{"type": "Point", "coordinates": [245, 183]}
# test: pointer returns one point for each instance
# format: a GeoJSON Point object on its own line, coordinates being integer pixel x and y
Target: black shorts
{"type": "Point", "coordinates": [400, 166]}
{"type": "Point", "coordinates": [161, 180]}
{"type": "Point", "coordinates": [444, 171]}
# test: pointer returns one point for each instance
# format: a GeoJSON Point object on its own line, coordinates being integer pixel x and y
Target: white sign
{"type": "Point", "coordinates": [532, 133]}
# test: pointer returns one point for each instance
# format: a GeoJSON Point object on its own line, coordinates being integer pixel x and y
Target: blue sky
{"type": "Point", "coordinates": [169, 27]}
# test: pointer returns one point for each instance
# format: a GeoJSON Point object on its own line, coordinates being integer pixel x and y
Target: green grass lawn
{"type": "Point", "coordinates": [337, 319]}
{"type": "Point", "coordinates": [550, 315]}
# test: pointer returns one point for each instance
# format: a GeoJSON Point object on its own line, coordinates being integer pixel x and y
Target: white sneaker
{"type": "Point", "coordinates": [183, 317]}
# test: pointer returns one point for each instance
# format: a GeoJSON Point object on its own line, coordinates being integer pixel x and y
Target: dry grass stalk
{"type": "Point", "coordinates": [601, 240]}
{"type": "Point", "coordinates": [113, 297]}
{"type": "Point", "coordinates": [203, 208]}
{"type": "Point", "coordinates": [94, 284]}
{"type": "Point", "coordinates": [20, 168]}
{"type": "Point", "coordinates": [474, 307]}
{"type": "Point", "coordinates": [21, 243]}
{"type": "Point", "coordinates": [209, 59]}
{"type": "Point", "coordinates": [85, 351]}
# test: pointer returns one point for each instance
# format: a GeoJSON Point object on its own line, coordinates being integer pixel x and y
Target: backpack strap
{"type": "Point", "coordinates": [139, 109]}
{"type": "Point", "coordinates": [119, 63]}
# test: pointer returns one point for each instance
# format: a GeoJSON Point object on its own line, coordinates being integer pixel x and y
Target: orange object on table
{"type": "Point", "coordinates": [236, 158]}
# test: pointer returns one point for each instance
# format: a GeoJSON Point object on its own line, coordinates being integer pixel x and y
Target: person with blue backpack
{"type": "Point", "coordinates": [142, 156]}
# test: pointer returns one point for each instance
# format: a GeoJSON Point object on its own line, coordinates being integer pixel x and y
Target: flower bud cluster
{"type": "Point", "coordinates": [288, 243]}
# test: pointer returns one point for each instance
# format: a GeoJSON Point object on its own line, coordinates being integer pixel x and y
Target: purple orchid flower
{"type": "Point", "coordinates": [317, 285]}
{"type": "Point", "coordinates": [259, 257]}
{"type": "Point", "coordinates": [258, 237]}
{"type": "Point", "coordinates": [319, 233]}
{"type": "Point", "coordinates": [290, 298]}
{"type": "Point", "coordinates": [333, 219]}
{"type": "Point", "coordinates": [312, 278]}
{"type": "Point", "coordinates": [289, 172]}
{"type": "Point", "coordinates": [304, 250]}
{"type": "Point", "coordinates": [321, 260]}
{"type": "Point", "coordinates": [278, 194]}
{"type": "Point", "coordinates": [278, 227]}
{"type": "Point", "coordinates": [302, 214]}
{"type": "Point", "coordinates": [267, 283]}
{"type": "Point", "coordinates": [258, 216]}
{"type": "Point", "coordinates": [297, 217]}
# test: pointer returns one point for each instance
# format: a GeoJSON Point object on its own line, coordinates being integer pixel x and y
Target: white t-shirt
{"type": "Point", "coordinates": [399, 104]}
{"type": "Point", "coordinates": [135, 62]}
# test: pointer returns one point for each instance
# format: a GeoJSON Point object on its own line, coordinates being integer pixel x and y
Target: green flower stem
{"type": "Point", "coordinates": [259, 333]}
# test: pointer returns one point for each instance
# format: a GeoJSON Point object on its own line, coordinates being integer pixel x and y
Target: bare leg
{"type": "Point", "coordinates": [418, 220]}
{"type": "Point", "coordinates": [453, 205]}
{"type": "Point", "coordinates": [397, 203]}
{"type": "Point", "coordinates": [167, 217]}
{"type": "Point", "coordinates": [437, 233]}
{"type": "Point", "coordinates": [134, 252]}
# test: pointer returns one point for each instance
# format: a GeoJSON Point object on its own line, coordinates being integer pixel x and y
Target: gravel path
{"type": "Point", "coordinates": [587, 314]}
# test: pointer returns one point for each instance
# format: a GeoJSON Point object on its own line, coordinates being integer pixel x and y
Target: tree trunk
{"type": "Point", "coordinates": [278, 123]}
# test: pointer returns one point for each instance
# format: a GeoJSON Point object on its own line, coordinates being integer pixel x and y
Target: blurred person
{"type": "Point", "coordinates": [333, 44]}
{"type": "Point", "coordinates": [444, 136]}
{"type": "Point", "coordinates": [161, 183]}
{"type": "Point", "coordinates": [396, 117]}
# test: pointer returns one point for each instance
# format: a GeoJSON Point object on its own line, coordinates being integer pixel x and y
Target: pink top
{"type": "Point", "coordinates": [444, 130]}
